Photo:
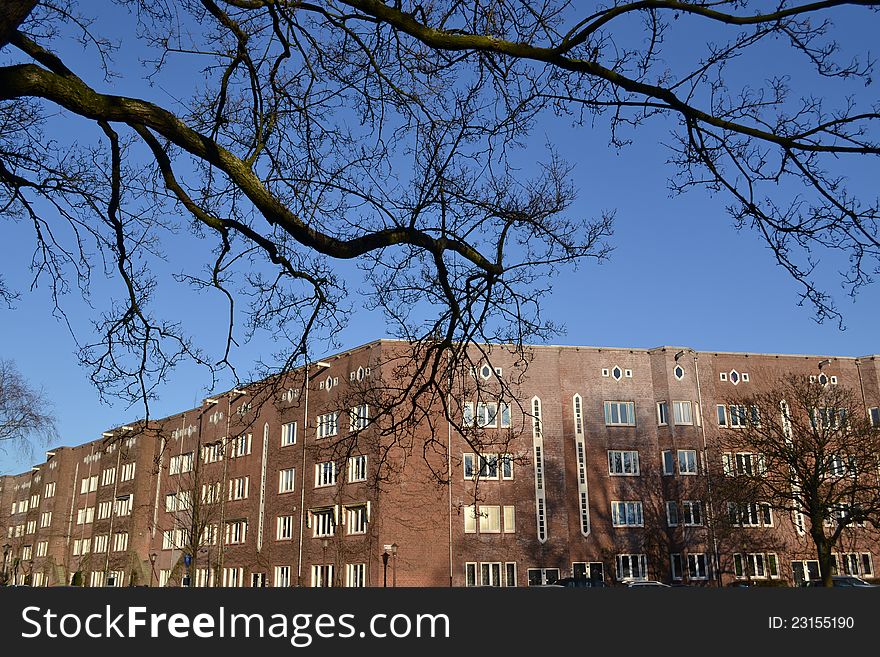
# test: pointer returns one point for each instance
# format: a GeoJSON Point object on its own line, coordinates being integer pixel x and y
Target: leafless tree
{"type": "Point", "coordinates": [812, 452]}
{"type": "Point", "coordinates": [25, 413]}
{"type": "Point", "coordinates": [391, 135]}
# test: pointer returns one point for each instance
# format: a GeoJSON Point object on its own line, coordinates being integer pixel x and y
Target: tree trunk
{"type": "Point", "coordinates": [823, 552]}
{"type": "Point", "coordinates": [12, 14]}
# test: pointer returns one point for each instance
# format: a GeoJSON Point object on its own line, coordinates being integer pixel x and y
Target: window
{"type": "Point", "coordinates": [751, 514]}
{"type": "Point", "coordinates": [35, 501]}
{"type": "Point", "coordinates": [42, 548]}
{"type": "Point", "coordinates": [504, 415]}
{"type": "Point", "coordinates": [45, 519]}
{"type": "Point", "coordinates": [626, 514]}
{"type": "Point", "coordinates": [470, 519]}
{"type": "Point", "coordinates": [211, 493]}
{"type": "Point", "coordinates": [50, 490]}
{"type": "Point", "coordinates": [672, 514]}
{"type": "Point", "coordinates": [323, 522]}
{"type": "Point", "coordinates": [108, 476]}
{"type": "Point", "coordinates": [490, 519]}
{"type": "Point", "coordinates": [123, 505]}
{"type": "Point", "coordinates": [212, 453]}
{"type": "Point", "coordinates": [284, 529]}
{"type": "Point", "coordinates": [328, 425]}
{"type": "Point", "coordinates": [238, 488]}
{"type": "Point", "coordinates": [241, 446]}
{"type": "Point", "coordinates": [236, 531]}
{"type": "Point", "coordinates": [623, 462]}
{"type": "Point", "coordinates": [662, 413]}
{"type": "Point", "coordinates": [180, 463]}
{"type": "Point", "coordinates": [102, 541]}
{"type": "Point", "coordinates": [31, 526]}
{"type": "Point", "coordinates": [541, 576]}
{"type": "Point", "coordinates": [85, 516]}
{"type": "Point", "coordinates": [722, 415]}
{"type": "Point", "coordinates": [325, 474]}
{"type": "Point", "coordinates": [127, 473]}
{"type": "Point", "coordinates": [357, 518]}
{"type": "Point", "coordinates": [756, 565]}
{"type": "Point", "coordinates": [120, 542]}
{"type": "Point", "coordinates": [27, 553]}
{"type": "Point", "coordinates": [668, 462]}
{"type": "Point", "coordinates": [697, 566]}
{"type": "Point", "coordinates": [509, 519]}
{"type": "Point", "coordinates": [359, 417]}
{"type": "Point", "coordinates": [104, 509]}
{"type": "Point", "coordinates": [322, 575]}
{"type": "Point", "coordinates": [467, 414]}
{"type": "Point", "coordinates": [288, 434]}
{"type": "Point", "coordinates": [487, 414]}
{"type": "Point", "coordinates": [286, 479]}
{"type": "Point", "coordinates": [828, 418]}
{"type": "Point", "coordinates": [89, 485]}
{"type": "Point", "coordinates": [738, 417]}
{"type": "Point", "coordinates": [631, 566]}
{"type": "Point", "coordinates": [620, 413]}
{"type": "Point", "coordinates": [357, 468]}
{"type": "Point", "coordinates": [873, 413]}
{"type": "Point", "coordinates": [682, 412]}
{"type": "Point", "coordinates": [687, 461]}
{"type": "Point", "coordinates": [282, 577]}
{"type": "Point", "coordinates": [81, 546]}
{"type": "Point", "coordinates": [233, 577]}
{"type": "Point", "coordinates": [355, 575]}
{"type": "Point", "coordinates": [675, 563]}
{"type": "Point", "coordinates": [743, 464]}
{"type": "Point", "coordinates": [692, 513]}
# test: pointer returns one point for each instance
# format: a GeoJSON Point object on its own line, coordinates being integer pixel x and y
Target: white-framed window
{"type": "Point", "coordinates": [212, 452]}
{"type": "Point", "coordinates": [322, 575]}
{"type": "Point", "coordinates": [104, 509]}
{"type": "Point", "coordinates": [284, 528]}
{"type": "Point", "coordinates": [102, 542]}
{"type": "Point", "coordinates": [509, 521]}
{"type": "Point", "coordinates": [123, 505]}
{"type": "Point", "coordinates": [860, 564]}
{"type": "Point", "coordinates": [631, 567]}
{"type": "Point", "coordinates": [682, 412]}
{"type": "Point", "coordinates": [288, 434]}
{"type": "Point", "coordinates": [81, 546]}
{"type": "Point", "coordinates": [355, 575]}
{"type": "Point", "coordinates": [31, 526]}
{"type": "Point", "coordinates": [241, 446]}
{"type": "Point", "coordinates": [328, 424]}
{"type": "Point", "coordinates": [357, 468]}
{"type": "Point", "coordinates": [357, 518]}
{"type": "Point", "coordinates": [490, 519]}
{"type": "Point", "coordinates": [108, 476]}
{"type": "Point", "coordinates": [541, 576]}
{"type": "Point", "coordinates": [204, 577]}
{"type": "Point", "coordinates": [120, 541]}
{"type": "Point", "coordinates": [662, 413]}
{"type": "Point", "coordinates": [50, 490]}
{"type": "Point", "coordinates": [622, 462]}
{"type": "Point", "coordinates": [27, 553]}
{"type": "Point", "coordinates": [675, 563]}
{"type": "Point", "coordinates": [672, 517]}
{"type": "Point", "coordinates": [286, 480]}
{"type": "Point", "coordinates": [35, 501]}
{"type": "Point", "coordinates": [687, 461]}
{"type": "Point", "coordinates": [85, 516]}
{"type": "Point", "coordinates": [89, 484]}
{"type": "Point", "coordinates": [127, 473]}
{"type": "Point", "coordinates": [45, 519]}
{"type": "Point", "coordinates": [487, 414]}
{"type": "Point", "coordinates": [325, 474]}
{"type": "Point", "coordinates": [359, 417]}
{"type": "Point", "coordinates": [210, 534]}
{"type": "Point", "coordinates": [180, 463]}
{"type": "Point", "coordinates": [467, 414]}
{"type": "Point", "coordinates": [750, 514]}
{"type": "Point", "coordinates": [236, 531]}
{"type": "Point", "coordinates": [238, 488]}
{"type": "Point", "coordinates": [755, 566]}
{"type": "Point", "coordinates": [491, 466]}
{"type": "Point", "coordinates": [626, 514]}
{"type": "Point", "coordinates": [42, 548]}
{"type": "Point", "coordinates": [692, 513]}
{"type": "Point", "coordinates": [282, 577]}
{"type": "Point", "coordinates": [668, 459]}
{"type": "Point", "coordinates": [96, 579]}
{"type": "Point", "coordinates": [504, 415]}
{"type": "Point", "coordinates": [211, 492]}
{"type": "Point", "coordinates": [697, 566]}
{"type": "Point", "coordinates": [874, 415]}
{"type": "Point", "coordinates": [323, 522]}
{"type": "Point", "coordinates": [743, 464]}
{"type": "Point", "coordinates": [620, 413]}
{"type": "Point", "coordinates": [233, 577]}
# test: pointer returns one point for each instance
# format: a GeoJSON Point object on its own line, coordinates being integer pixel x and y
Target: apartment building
{"type": "Point", "coordinates": [598, 470]}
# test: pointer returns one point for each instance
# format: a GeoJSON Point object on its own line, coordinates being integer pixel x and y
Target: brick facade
{"type": "Point", "coordinates": [108, 509]}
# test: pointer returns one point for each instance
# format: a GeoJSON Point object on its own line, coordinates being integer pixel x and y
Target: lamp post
{"type": "Point", "coordinates": [6, 547]}
{"type": "Point", "coordinates": [152, 567]}
{"type": "Point", "coordinates": [385, 556]}
{"type": "Point", "coordinates": [394, 565]}
{"type": "Point", "coordinates": [389, 552]}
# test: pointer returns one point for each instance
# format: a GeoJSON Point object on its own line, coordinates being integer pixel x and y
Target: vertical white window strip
{"type": "Point", "coordinates": [797, 517]}
{"type": "Point", "coordinates": [581, 451]}
{"type": "Point", "coordinates": [538, 444]}
{"type": "Point", "coordinates": [263, 465]}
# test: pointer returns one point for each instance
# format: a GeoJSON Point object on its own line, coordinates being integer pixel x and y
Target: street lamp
{"type": "Point", "coordinates": [152, 567]}
{"type": "Point", "coordinates": [390, 551]}
{"type": "Point", "coordinates": [394, 565]}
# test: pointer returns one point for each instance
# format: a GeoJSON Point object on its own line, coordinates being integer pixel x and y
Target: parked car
{"type": "Point", "coordinates": [579, 583]}
{"type": "Point", "coordinates": [637, 584]}
{"type": "Point", "coordinates": [844, 581]}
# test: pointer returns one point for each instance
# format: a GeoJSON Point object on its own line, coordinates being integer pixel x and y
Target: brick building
{"type": "Point", "coordinates": [602, 475]}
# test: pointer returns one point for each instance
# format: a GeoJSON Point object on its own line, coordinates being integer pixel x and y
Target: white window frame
{"type": "Point", "coordinates": [613, 408]}
{"type": "Point", "coordinates": [357, 468]}
{"type": "Point", "coordinates": [286, 480]}
{"type": "Point", "coordinates": [688, 470]}
{"type": "Point", "coordinates": [662, 414]}
{"type": "Point", "coordinates": [623, 463]}
{"type": "Point", "coordinates": [683, 413]}
{"type": "Point", "coordinates": [284, 528]}
{"type": "Point", "coordinates": [288, 434]}
{"type": "Point", "coordinates": [627, 513]}
{"type": "Point", "coordinates": [325, 474]}
{"type": "Point", "coordinates": [631, 567]}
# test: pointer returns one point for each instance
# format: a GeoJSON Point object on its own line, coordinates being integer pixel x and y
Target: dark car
{"type": "Point", "coordinates": [579, 583]}
{"type": "Point", "coordinates": [844, 581]}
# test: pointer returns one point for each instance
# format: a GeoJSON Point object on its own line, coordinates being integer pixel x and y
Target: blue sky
{"type": "Point", "coordinates": [680, 274]}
